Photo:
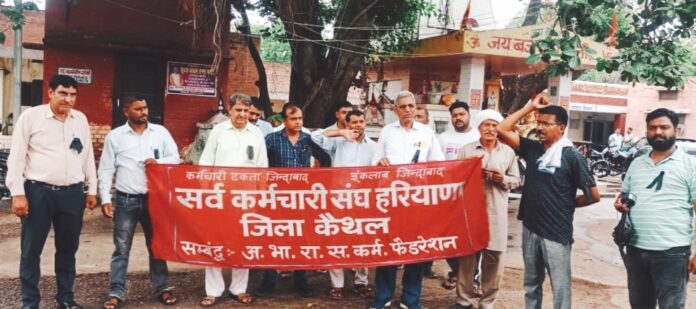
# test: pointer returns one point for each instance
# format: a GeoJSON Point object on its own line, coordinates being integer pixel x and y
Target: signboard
{"type": "Point", "coordinates": [82, 76]}
{"type": "Point", "coordinates": [317, 218]}
{"type": "Point", "coordinates": [191, 79]}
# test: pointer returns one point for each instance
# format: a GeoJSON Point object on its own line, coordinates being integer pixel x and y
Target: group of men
{"type": "Point", "coordinates": [52, 177]}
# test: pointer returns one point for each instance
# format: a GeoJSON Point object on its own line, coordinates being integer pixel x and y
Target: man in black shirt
{"type": "Point", "coordinates": [555, 171]}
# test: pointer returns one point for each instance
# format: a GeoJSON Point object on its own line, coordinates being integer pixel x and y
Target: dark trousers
{"type": "Point", "coordinates": [270, 276]}
{"type": "Point", "coordinates": [63, 209]}
{"type": "Point", "coordinates": [453, 264]}
{"type": "Point", "coordinates": [128, 211]}
{"type": "Point", "coordinates": [411, 285]}
{"type": "Point", "coordinates": [657, 277]}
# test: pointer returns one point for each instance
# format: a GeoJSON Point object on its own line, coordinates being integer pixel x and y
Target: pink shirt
{"type": "Point", "coordinates": [41, 151]}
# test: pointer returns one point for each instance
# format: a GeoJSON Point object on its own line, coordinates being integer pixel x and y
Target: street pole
{"type": "Point", "coordinates": [17, 72]}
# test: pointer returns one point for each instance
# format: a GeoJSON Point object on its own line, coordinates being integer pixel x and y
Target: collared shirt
{"type": "Point", "coordinates": [663, 215]}
{"type": "Point", "coordinates": [614, 142]}
{"type": "Point", "coordinates": [41, 150]}
{"type": "Point", "coordinates": [399, 144]}
{"type": "Point", "coordinates": [503, 159]}
{"type": "Point", "coordinates": [229, 146]}
{"type": "Point", "coordinates": [266, 128]}
{"type": "Point", "coordinates": [282, 153]}
{"type": "Point", "coordinates": [125, 152]}
{"type": "Point", "coordinates": [453, 141]}
{"type": "Point", "coordinates": [346, 152]}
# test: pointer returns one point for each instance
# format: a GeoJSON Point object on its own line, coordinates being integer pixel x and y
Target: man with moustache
{"type": "Point", "coordinates": [501, 174]}
{"type": "Point", "coordinates": [256, 117]}
{"type": "Point", "coordinates": [348, 147]}
{"type": "Point", "coordinates": [291, 147]}
{"type": "Point", "coordinates": [422, 115]}
{"type": "Point", "coordinates": [555, 172]}
{"type": "Point", "coordinates": [127, 150]}
{"type": "Point", "coordinates": [401, 142]}
{"type": "Point", "coordinates": [663, 183]}
{"type": "Point", "coordinates": [51, 163]}
{"type": "Point", "coordinates": [237, 143]}
{"type": "Point", "coordinates": [451, 142]}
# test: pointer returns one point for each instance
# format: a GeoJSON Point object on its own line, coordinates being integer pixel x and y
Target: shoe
{"type": "Point", "coordinates": [304, 290]}
{"type": "Point", "coordinates": [69, 305]}
{"type": "Point", "coordinates": [264, 290]}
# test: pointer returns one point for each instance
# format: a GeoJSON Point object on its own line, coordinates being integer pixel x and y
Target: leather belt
{"type": "Point", "coordinates": [131, 195]}
{"type": "Point", "coordinates": [58, 188]}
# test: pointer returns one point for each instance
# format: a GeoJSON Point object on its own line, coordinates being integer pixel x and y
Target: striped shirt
{"type": "Point", "coordinates": [663, 215]}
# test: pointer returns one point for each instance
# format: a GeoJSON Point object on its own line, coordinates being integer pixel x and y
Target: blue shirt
{"type": "Point", "coordinates": [665, 191]}
{"type": "Point", "coordinates": [266, 128]}
{"type": "Point", "coordinates": [125, 153]}
{"type": "Point", "coordinates": [282, 153]}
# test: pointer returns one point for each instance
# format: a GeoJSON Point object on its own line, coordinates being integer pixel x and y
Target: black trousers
{"type": "Point", "coordinates": [63, 209]}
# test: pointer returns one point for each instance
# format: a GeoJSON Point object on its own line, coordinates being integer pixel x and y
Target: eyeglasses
{"type": "Point", "coordinates": [546, 124]}
{"type": "Point", "coordinates": [404, 107]}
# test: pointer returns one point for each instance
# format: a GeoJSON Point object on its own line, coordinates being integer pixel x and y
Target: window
{"type": "Point", "coordinates": [668, 95]}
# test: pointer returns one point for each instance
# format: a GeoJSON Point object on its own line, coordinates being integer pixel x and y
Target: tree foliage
{"type": "Point", "coordinates": [15, 15]}
{"type": "Point", "coordinates": [330, 41]}
{"type": "Point", "coordinates": [648, 38]}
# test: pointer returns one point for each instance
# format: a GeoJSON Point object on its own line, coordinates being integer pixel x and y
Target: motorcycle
{"type": "Point", "coordinates": [613, 163]}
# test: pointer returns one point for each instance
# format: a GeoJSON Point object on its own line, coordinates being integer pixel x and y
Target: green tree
{"type": "Point", "coordinates": [15, 15]}
{"type": "Point", "coordinates": [273, 47]}
{"type": "Point", "coordinates": [325, 65]}
{"type": "Point", "coordinates": [649, 38]}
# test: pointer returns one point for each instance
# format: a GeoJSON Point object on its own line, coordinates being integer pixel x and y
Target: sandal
{"type": "Point", "coordinates": [167, 298]}
{"type": "Point", "coordinates": [208, 301]}
{"type": "Point", "coordinates": [449, 283]}
{"type": "Point", "coordinates": [113, 303]}
{"type": "Point", "coordinates": [364, 291]}
{"type": "Point", "coordinates": [243, 298]}
{"type": "Point", "coordinates": [336, 293]}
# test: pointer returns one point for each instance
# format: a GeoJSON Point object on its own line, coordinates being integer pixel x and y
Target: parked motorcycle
{"type": "Point", "coordinates": [613, 163]}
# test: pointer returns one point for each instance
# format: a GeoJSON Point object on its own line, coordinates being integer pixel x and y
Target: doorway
{"type": "Point", "coordinates": [142, 76]}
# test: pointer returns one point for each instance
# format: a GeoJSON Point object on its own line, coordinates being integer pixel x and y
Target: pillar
{"type": "Point", "coordinates": [471, 77]}
{"type": "Point", "coordinates": [559, 90]}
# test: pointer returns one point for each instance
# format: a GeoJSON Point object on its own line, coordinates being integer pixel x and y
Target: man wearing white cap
{"type": "Point", "coordinates": [500, 174]}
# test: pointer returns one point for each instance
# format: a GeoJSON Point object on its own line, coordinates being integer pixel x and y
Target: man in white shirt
{"type": "Point", "coordinates": [348, 147]}
{"type": "Point", "coordinates": [256, 117]}
{"type": "Point", "coordinates": [402, 142]}
{"type": "Point", "coordinates": [615, 140]}
{"type": "Point", "coordinates": [241, 144]}
{"type": "Point", "coordinates": [453, 140]}
{"type": "Point", "coordinates": [127, 150]}
{"type": "Point", "coordinates": [628, 139]}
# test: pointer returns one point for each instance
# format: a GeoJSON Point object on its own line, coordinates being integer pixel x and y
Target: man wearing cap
{"type": "Point", "coordinates": [501, 174]}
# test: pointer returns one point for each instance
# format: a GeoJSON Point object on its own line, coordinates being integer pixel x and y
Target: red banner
{"type": "Point", "coordinates": [317, 218]}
